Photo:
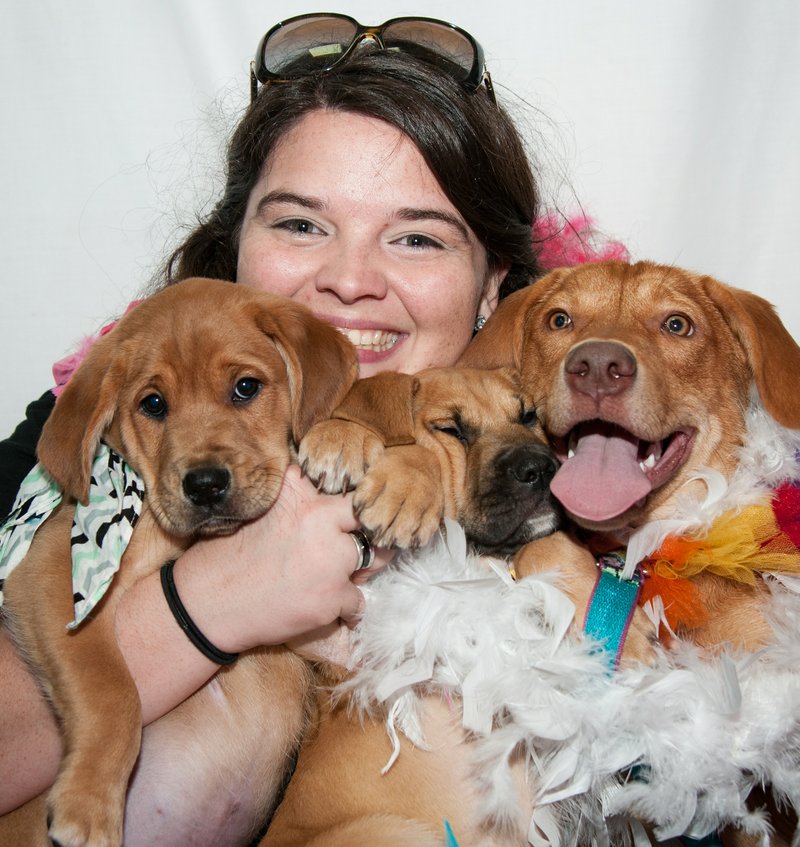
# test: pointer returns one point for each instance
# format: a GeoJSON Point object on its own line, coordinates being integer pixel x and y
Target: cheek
{"type": "Point", "coordinates": [268, 269]}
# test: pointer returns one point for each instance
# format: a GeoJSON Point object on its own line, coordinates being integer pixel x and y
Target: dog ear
{"type": "Point", "coordinates": [320, 362]}
{"type": "Point", "coordinates": [82, 413]}
{"type": "Point", "coordinates": [773, 354]}
{"type": "Point", "coordinates": [383, 404]}
{"type": "Point", "coordinates": [501, 341]}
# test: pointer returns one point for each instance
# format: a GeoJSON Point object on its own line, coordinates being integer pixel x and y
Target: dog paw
{"type": "Point", "coordinates": [400, 501]}
{"type": "Point", "coordinates": [335, 454]}
{"type": "Point", "coordinates": [85, 815]}
{"type": "Point", "coordinates": [82, 827]}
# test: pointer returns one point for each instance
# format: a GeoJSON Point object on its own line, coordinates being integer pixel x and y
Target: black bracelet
{"type": "Point", "coordinates": [187, 624]}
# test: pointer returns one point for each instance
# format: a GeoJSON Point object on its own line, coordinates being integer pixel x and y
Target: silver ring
{"type": "Point", "coordinates": [366, 552]}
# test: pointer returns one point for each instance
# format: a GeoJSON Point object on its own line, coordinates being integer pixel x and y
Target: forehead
{"type": "Point", "coordinates": [624, 289]}
{"type": "Point", "coordinates": [471, 392]}
{"type": "Point", "coordinates": [338, 154]}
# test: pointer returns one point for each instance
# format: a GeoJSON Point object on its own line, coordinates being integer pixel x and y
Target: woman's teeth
{"type": "Point", "coordinates": [371, 339]}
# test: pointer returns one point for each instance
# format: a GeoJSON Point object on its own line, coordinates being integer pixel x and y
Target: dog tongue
{"type": "Point", "coordinates": [603, 479]}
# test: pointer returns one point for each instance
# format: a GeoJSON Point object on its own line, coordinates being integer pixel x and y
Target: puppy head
{"type": "Point", "coordinates": [640, 375]}
{"type": "Point", "coordinates": [203, 389]}
{"type": "Point", "coordinates": [495, 462]}
{"type": "Point", "coordinates": [483, 432]}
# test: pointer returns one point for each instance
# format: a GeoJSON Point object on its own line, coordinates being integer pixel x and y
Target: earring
{"type": "Point", "coordinates": [480, 322]}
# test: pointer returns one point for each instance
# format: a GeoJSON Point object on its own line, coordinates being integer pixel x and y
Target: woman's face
{"type": "Point", "coordinates": [348, 219]}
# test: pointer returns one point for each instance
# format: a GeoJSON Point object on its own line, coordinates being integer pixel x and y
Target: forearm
{"type": "Point", "coordinates": [166, 667]}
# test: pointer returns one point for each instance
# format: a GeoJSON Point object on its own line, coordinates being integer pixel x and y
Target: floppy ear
{"type": "Point", "coordinates": [773, 354]}
{"type": "Point", "coordinates": [500, 343]}
{"type": "Point", "coordinates": [321, 363]}
{"type": "Point", "coordinates": [83, 412]}
{"type": "Point", "coordinates": [383, 404]}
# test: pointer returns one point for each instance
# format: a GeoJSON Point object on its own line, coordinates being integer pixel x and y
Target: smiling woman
{"type": "Point", "coordinates": [392, 195]}
{"type": "Point", "coordinates": [387, 238]}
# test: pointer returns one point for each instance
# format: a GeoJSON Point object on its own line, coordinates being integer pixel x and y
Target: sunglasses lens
{"type": "Point", "coordinates": [301, 46]}
{"type": "Point", "coordinates": [435, 42]}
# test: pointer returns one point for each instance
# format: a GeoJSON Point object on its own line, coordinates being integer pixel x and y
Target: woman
{"type": "Point", "coordinates": [391, 194]}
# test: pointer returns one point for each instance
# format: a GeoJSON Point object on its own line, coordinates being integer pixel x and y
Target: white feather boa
{"type": "Point", "coordinates": [698, 732]}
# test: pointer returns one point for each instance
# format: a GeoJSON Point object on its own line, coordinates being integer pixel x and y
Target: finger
{"type": "Point", "coordinates": [353, 608]}
{"type": "Point", "coordinates": [383, 557]}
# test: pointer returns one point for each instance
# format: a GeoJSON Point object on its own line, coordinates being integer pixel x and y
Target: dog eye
{"type": "Point", "coordinates": [245, 389]}
{"type": "Point", "coordinates": [679, 325]}
{"type": "Point", "coordinates": [528, 417]}
{"type": "Point", "coordinates": [559, 320]}
{"type": "Point", "coordinates": [154, 406]}
{"type": "Point", "coordinates": [452, 430]}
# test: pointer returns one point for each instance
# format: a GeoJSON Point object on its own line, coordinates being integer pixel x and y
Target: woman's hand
{"type": "Point", "coordinates": [279, 577]}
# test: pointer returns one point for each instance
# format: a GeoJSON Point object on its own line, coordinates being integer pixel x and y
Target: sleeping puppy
{"type": "Point", "coordinates": [459, 442]}
{"type": "Point", "coordinates": [202, 389]}
{"type": "Point", "coordinates": [464, 443]}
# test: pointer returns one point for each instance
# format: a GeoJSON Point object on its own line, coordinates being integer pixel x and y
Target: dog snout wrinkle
{"type": "Point", "coordinates": [207, 486]}
{"type": "Point", "coordinates": [600, 368]}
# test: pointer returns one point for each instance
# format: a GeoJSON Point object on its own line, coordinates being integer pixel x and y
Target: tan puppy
{"type": "Point", "coordinates": [640, 375]}
{"type": "Point", "coordinates": [459, 442]}
{"type": "Point", "coordinates": [203, 389]}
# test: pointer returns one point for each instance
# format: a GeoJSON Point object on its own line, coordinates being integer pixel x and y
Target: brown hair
{"type": "Point", "coordinates": [469, 143]}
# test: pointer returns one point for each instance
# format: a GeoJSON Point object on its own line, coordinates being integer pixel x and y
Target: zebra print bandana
{"type": "Point", "coordinates": [101, 530]}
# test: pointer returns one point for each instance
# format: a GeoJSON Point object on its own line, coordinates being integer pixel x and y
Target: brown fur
{"type": "Point", "coordinates": [336, 796]}
{"type": "Point", "coordinates": [190, 344]}
{"type": "Point", "coordinates": [448, 441]}
{"type": "Point", "coordinates": [701, 381]}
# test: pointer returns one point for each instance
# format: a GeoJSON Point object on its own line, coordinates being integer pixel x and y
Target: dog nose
{"type": "Point", "coordinates": [206, 486]}
{"type": "Point", "coordinates": [600, 368]}
{"type": "Point", "coordinates": [529, 465]}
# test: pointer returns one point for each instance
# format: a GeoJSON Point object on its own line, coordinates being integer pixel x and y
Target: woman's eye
{"type": "Point", "coordinates": [418, 241]}
{"type": "Point", "coordinates": [301, 226]}
{"type": "Point", "coordinates": [246, 389]}
{"type": "Point", "coordinates": [154, 406]}
{"type": "Point", "coordinates": [559, 320]}
{"type": "Point", "coordinates": [679, 325]}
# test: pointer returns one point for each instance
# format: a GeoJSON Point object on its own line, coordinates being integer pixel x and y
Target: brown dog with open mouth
{"type": "Point", "coordinates": [203, 390]}
{"type": "Point", "coordinates": [641, 376]}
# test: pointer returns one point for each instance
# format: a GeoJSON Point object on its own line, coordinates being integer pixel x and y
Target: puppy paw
{"type": "Point", "coordinates": [400, 501]}
{"type": "Point", "coordinates": [335, 454]}
{"type": "Point", "coordinates": [85, 819]}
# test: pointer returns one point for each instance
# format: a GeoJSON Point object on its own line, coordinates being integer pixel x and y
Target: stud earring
{"type": "Point", "coordinates": [480, 322]}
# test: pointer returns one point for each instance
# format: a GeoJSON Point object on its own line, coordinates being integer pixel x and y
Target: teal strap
{"type": "Point", "coordinates": [449, 838]}
{"type": "Point", "coordinates": [611, 605]}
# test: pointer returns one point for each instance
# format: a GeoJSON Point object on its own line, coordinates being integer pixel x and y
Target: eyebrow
{"type": "Point", "coordinates": [405, 214]}
{"type": "Point", "coordinates": [291, 198]}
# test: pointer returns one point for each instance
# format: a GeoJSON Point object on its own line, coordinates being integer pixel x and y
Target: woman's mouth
{"type": "Point", "coordinates": [374, 340]}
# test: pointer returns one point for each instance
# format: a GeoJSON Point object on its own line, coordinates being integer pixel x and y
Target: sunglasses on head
{"type": "Point", "coordinates": [319, 42]}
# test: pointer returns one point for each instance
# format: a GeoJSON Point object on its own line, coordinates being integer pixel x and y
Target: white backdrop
{"type": "Point", "coordinates": [675, 125]}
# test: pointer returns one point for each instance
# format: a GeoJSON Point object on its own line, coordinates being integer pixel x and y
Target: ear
{"type": "Point", "coordinates": [383, 404]}
{"type": "Point", "coordinates": [773, 354]}
{"type": "Point", "coordinates": [501, 341]}
{"type": "Point", "coordinates": [320, 362]}
{"type": "Point", "coordinates": [83, 412]}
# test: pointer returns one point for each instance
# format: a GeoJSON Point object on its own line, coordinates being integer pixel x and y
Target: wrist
{"type": "Point", "coordinates": [186, 622]}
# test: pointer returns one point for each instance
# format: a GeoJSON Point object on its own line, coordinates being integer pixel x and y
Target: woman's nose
{"type": "Point", "coordinates": [353, 274]}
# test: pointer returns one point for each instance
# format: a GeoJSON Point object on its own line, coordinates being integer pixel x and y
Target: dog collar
{"type": "Point", "coordinates": [612, 604]}
{"type": "Point", "coordinates": [100, 532]}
